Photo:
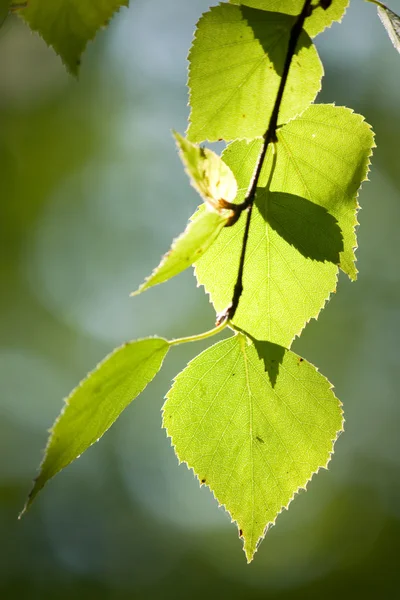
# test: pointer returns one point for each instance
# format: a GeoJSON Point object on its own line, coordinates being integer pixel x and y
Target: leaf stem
{"type": "Point", "coordinates": [200, 336]}
{"type": "Point", "coordinates": [269, 136]}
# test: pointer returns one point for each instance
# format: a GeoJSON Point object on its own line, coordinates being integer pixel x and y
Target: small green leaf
{"type": "Point", "coordinates": [187, 248]}
{"type": "Point", "coordinates": [391, 23]}
{"type": "Point", "coordinates": [68, 25]}
{"type": "Point", "coordinates": [236, 63]}
{"type": "Point", "coordinates": [97, 402]}
{"type": "Point", "coordinates": [208, 173]}
{"type": "Point", "coordinates": [319, 20]}
{"type": "Point", "coordinates": [302, 224]}
{"type": "Point", "coordinates": [255, 424]}
{"type": "Point", "coordinates": [215, 182]}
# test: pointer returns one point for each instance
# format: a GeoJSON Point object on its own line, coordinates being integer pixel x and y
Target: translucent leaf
{"type": "Point", "coordinates": [208, 173]}
{"type": "Point", "coordinates": [325, 158]}
{"type": "Point", "coordinates": [236, 62]}
{"type": "Point", "coordinates": [95, 404]}
{"type": "Point", "coordinates": [391, 22]}
{"type": "Point", "coordinates": [215, 182]}
{"type": "Point", "coordinates": [68, 25]}
{"type": "Point", "coordinates": [302, 224]}
{"type": "Point", "coordinates": [319, 20]}
{"type": "Point", "coordinates": [254, 423]}
{"type": "Point", "coordinates": [187, 248]}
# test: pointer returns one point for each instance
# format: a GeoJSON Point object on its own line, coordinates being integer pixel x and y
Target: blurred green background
{"type": "Point", "coordinates": [92, 192]}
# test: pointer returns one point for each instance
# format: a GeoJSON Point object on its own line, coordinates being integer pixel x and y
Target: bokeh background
{"type": "Point", "coordinates": [92, 192]}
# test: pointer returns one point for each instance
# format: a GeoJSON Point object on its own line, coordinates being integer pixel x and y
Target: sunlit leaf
{"type": "Point", "coordinates": [68, 25]}
{"type": "Point", "coordinates": [319, 20]}
{"type": "Point", "coordinates": [208, 173]}
{"type": "Point", "coordinates": [254, 424]}
{"type": "Point", "coordinates": [325, 156]}
{"type": "Point", "coordinates": [302, 224]}
{"type": "Point", "coordinates": [236, 62]}
{"type": "Point", "coordinates": [95, 404]}
{"type": "Point", "coordinates": [391, 22]}
{"type": "Point", "coordinates": [215, 182]}
{"type": "Point", "coordinates": [187, 248]}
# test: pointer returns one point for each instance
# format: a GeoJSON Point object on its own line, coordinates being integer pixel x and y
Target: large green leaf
{"type": "Point", "coordinates": [68, 25]}
{"type": "Point", "coordinates": [201, 232]}
{"type": "Point", "coordinates": [254, 423]}
{"type": "Point", "coordinates": [319, 20]}
{"type": "Point", "coordinates": [95, 404]}
{"type": "Point", "coordinates": [236, 62]}
{"type": "Point", "coordinates": [302, 224]}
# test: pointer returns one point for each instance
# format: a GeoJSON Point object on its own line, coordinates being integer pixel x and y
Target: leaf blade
{"type": "Point", "coordinates": [391, 22]}
{"type": "Point", "coordinates": [216, 184]}
{"type": "Point", "coordinates": [68, 25]}
{"type": "Point", "coordinates": [236, 62]}
{"type": "Point", "coordinates": [96, 403]}
{"type": "Point", "coordinates": [333, 159]}
{"type": "Point", "coordinates": [254, 440]}
{"type": "Point", "coordinates": [208, 173]}
{"type": "Point", "coordinates": [189, 247]}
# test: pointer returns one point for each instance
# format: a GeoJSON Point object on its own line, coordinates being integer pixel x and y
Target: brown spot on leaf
{"type": "Point", "coordinates": [240, 532]}
{"type": "Point", "coordinates": [203, 481]}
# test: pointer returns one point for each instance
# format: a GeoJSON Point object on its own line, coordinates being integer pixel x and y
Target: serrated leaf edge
{"type": "Point", "coordinates": [33, 492]}
{"type": "Point", "coordinates": [237, 139]}
{"type": "Point", "coordinates": [74, 69]}
{"type": "Point", "coordinates": [143, 287]}
{"type": "Point", "coordinates": [295, 493]}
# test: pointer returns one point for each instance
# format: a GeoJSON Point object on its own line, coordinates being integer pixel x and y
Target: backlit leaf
{"type": "Point", "coordinates": [215, 182]}
{"type": "Point", "coordinates": [95, 404]}
{"type": "Point", "coordinates": [319, 20]}
{"type": "Point", "coordinates": [187, 248]}
{"type": "Point", "coordinates": [208, 173]}
{"type": "Point", "coordinates": [254, 424]}
{"type": "Point", "coordinates": [68, 25]}
{"type": "Point", "coordinates": [236, 62]}
{"type": "Point", "coordinates": [302, 225]}
{"type": "Point", "coordinates": [391, 22]}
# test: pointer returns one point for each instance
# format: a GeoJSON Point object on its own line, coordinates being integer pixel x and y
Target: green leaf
{"type": "Point", "coordinates": [319, 20]}
{"type": "Point", "coordinates": [236, 62]}
{"type": "Point", "coordinates": [95, 404]}
{"type": "Point", "coordinates": [254, 424]}
{"type": "Point", "coordinates": [302, 224]}
{"type": "Point", "coordinates": [187, 248]}
{"type": "Point", "coordinates": [325, 158]}
{"type": "Point", "coordinates": [68, 25]}
{"type": "Point", "coordinates": [391, 23]}
{"type": "Point", "coordinates": [215, 182]}
{"type": "Point", "coordinates": [208, 173]}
